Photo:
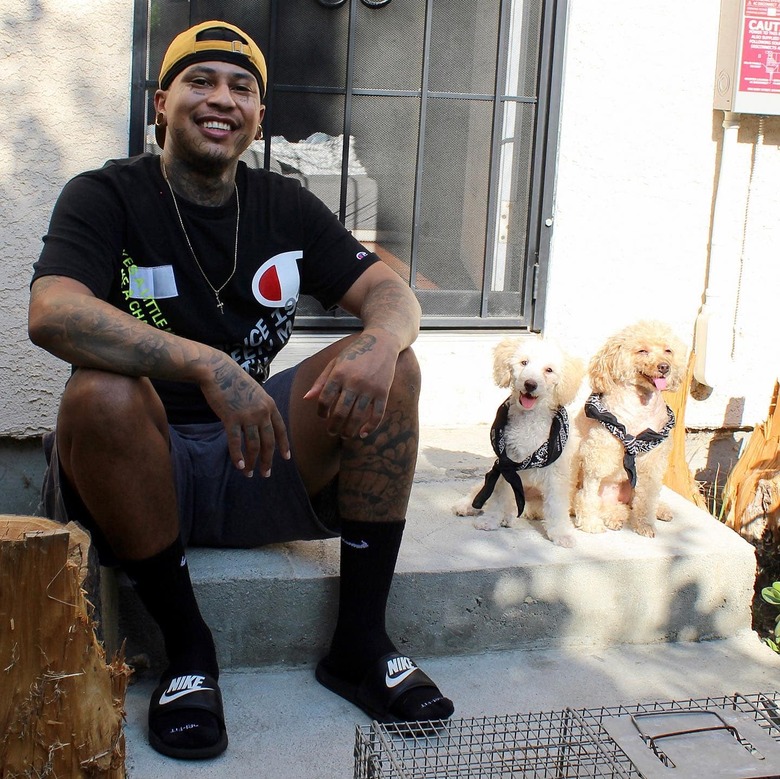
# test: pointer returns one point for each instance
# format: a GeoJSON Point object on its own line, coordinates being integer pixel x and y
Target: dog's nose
{"type": "Point", "coordinates": [530, 385]}
{"type": "Point", "coordinates": [664, 368]}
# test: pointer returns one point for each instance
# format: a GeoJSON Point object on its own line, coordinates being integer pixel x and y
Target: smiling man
{"type": "Point", "coordinates": [169, 284]}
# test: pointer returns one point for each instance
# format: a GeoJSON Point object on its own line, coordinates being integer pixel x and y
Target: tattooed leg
{"type": "Point", "coordinates": [375, 473]}
{"type": "Point", "coordinates": [375, 477]}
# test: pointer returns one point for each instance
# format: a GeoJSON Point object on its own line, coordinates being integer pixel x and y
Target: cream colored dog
{"type": "Point", "coordinates": [531, 428]}
{"type": "Point", "coordinates": [622, 434]}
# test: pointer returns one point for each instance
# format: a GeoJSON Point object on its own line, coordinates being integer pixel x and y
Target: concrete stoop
{"type": "Point", "coordinates": [459, 590]}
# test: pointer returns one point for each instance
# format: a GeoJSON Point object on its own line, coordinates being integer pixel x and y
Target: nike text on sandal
{"type": "Point", "coordinates": [386, 681]}
{"type": "Point", "coordinates": [179, 695]}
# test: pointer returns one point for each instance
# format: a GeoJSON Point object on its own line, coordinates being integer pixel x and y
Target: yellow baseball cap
{"type": "Point", "coordinates": [207, 41]}
{"type": "Point", "coordinates": [213, 41]}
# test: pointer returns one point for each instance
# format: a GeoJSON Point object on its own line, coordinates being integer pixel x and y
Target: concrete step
{"type": "Point", "coordinates": [459, 590]}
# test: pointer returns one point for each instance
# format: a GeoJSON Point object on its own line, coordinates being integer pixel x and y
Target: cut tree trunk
{"type": "Point", "coordinates": [751, 497]}
{"type": "Point", "coordinates": [61, 704]}
{"type": "Point", "coordinates": [678, 475]}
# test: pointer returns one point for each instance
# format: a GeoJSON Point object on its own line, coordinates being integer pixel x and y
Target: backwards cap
{"type": "Point", "coordinates": [213, 41]}
{"type": "Point", "coordinates": [206, 42]}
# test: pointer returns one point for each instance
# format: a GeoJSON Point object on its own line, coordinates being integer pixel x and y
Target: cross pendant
{"type": "Point", "coordinates": [220, 305]}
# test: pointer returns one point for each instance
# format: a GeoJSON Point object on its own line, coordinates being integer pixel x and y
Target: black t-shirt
{"type": "Point", "coordinates": [116, 231]}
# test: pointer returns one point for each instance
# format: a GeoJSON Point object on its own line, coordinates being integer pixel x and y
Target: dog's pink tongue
{"type": "Point", "coordinates": [660, 383]}
{"type": "Point", "coordinates": [527, 401]}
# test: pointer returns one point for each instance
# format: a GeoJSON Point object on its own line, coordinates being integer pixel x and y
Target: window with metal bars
{"type": "Point", "coordinates": [428, 126]}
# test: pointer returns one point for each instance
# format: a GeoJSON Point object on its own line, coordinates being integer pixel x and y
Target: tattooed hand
{"type": "Point", "coordinates": [352, 390]}
{"type": "Point", "coordinates": [253, 424]}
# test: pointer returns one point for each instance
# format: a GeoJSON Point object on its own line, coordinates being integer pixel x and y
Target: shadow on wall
{"type": "Point", "coordinates": [723, 449]}
{"type": "Point", "coordinates": [21, 472]}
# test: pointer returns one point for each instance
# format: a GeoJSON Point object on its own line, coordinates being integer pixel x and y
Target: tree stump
{"type": "Point", "coordinates": [61, 704]}
{"type": "Point", "coordinates": [751, 497]}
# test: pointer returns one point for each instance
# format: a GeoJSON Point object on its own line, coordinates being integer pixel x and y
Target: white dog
{"type": "Point", "coordinates": [532, 476]}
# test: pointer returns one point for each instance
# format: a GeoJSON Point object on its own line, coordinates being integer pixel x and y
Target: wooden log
{"type": "Point", "coordinates": [751, 497]}
{"type": "Point", "coordinates": [678, 475]}
{"type": "Point", "coordinates": [61, 704]}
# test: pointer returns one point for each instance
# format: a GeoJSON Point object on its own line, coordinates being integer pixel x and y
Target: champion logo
{"type": "Point", "coordinates": [398, 669]}
{"type": "Point", "coordinates": [181, 686]}
{"type": "Point", "coordinates": [277, 280]}
{"type": "Point", "coordinates": [361, 255]}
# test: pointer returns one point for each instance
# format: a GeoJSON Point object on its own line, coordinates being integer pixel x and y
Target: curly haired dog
{"type": "Point", "coordinates": [623, 431]}
{"type": "Point", "coordinates": [532, 475]}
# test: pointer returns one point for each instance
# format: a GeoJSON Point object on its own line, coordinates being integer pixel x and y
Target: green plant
{"type": "Point", "coordinates": [772, 595]}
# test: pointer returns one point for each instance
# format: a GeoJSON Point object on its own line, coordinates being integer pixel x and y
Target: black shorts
{"type": "Point", "coordinates": [218, 506]}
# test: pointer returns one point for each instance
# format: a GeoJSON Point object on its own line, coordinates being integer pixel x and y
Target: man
{"type": "Point", "coordinates": [170, 283]}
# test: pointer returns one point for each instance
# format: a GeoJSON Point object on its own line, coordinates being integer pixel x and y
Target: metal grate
{"type": "Point", "coordinates": [729, 736]}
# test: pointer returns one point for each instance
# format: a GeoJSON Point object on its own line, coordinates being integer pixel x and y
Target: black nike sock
{"type": "Point", "coordinates": [164, 587]}
{"type": "Point", "coordinates": [369, 551]}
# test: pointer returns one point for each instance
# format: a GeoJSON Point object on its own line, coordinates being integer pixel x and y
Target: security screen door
{"type": "Point", "coordinates": [428, 126]}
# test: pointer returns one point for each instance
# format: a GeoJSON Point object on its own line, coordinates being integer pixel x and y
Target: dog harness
{"type": "Point", "coordinates": [632, 445]}
{"type": "Point", "coordinates": [505, 466]}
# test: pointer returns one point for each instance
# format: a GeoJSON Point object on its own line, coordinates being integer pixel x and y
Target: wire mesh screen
{"type": "Point", "coordinates": [441, 102]}
{"type": "Point", "coordinates": [559, 745]}
{"type": "Point", "coordinates": [453, 196]}
{"type": "Point", "coordinates": [389, 46]}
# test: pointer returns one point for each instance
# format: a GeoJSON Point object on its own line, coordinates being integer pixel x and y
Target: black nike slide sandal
{"type": "Point", "coordinates": [387, 680]}
{"type": "Point", "coordinates": [187, 693]}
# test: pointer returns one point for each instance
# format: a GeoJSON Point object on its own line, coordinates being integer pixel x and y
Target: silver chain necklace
{"type": "Point", "coordinates": [215, 290]}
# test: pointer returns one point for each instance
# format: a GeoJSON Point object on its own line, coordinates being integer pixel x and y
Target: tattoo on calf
{"type": "Point", "coordinates": [376, 474]}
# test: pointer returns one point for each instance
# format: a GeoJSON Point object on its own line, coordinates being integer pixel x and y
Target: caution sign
{"type": "Point", "coordinates": [761, 47]}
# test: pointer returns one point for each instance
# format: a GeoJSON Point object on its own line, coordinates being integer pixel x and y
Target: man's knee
{"type": "Point", "coordinates": [407, 377]}
{"type": "Point", "coordinates": [95, 398]}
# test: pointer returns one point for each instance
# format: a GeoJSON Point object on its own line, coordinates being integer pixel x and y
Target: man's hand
{"type": "Point", "coordinates": [352, 390]}
{"type": "Point", "coordinates": [253, 424]}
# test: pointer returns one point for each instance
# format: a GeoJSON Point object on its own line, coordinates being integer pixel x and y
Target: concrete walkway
{"type": "Point", "coordinates": [283, 725]}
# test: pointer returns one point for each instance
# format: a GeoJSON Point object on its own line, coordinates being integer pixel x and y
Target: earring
{"type": "Point", "coordinates": [259, 135]}
{"type": "Point", "coordinates": [159, 119]}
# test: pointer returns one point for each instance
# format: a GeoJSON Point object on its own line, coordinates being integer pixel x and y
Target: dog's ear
{"type": "Point", "coordinates": [503, 355]}
{"type": "Point", "coordinates": [606, 366]}
{"type": "Point", "coordinates": [572, 374]}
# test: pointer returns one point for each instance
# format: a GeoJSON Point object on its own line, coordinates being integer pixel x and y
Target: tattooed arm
{"type": "Point", "coordinates": [352, 391]}
{"type": "Point", "coordinates": [66, 319]}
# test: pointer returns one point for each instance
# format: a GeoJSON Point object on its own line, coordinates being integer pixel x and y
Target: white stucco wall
{"type": "Point", "coordinates": [65, 103]}
{"type": "Point", "coordinates": [638, 161]}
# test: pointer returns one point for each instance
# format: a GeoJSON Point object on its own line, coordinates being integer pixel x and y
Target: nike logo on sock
{"type": "Point", "coordinates": [398, 669]}
{"type": "Point", "coordinates": [362, 545]}
{"type": "Point", "coordinates": [181, 686]}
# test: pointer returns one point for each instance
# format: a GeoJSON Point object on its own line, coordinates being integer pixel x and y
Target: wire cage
{"type": "Point", "coordinates": [735, 736]}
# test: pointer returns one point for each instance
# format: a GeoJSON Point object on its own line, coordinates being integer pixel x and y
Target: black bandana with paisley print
{"type": "Point", "coordinates": [632, 445]}
{"type": "Point", "coordinates": [505, 466]}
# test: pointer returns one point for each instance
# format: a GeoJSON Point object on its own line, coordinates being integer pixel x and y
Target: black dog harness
{"type": "Point", "coordinates": [633, 445]}
{"type": "Point", "coordinates": [504, 466]}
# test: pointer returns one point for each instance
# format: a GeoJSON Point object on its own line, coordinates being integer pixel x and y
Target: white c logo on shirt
{"type": "Point", "coordinates": [277, 280]}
